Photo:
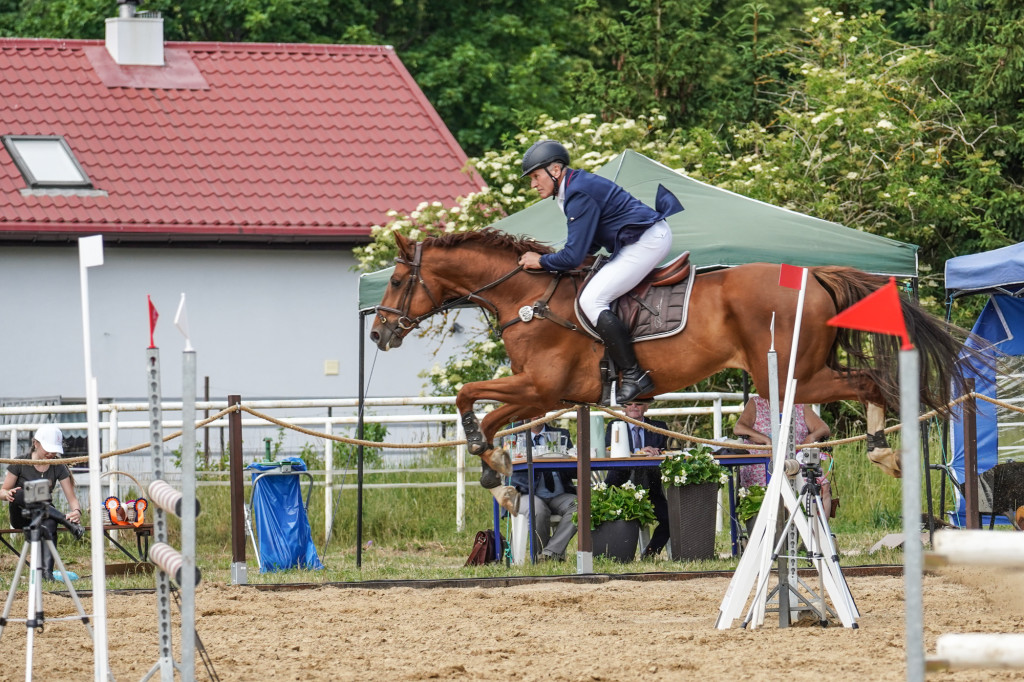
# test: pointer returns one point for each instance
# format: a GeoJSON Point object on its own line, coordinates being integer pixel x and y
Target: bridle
{"type": "Point", "coordinates": [403, 323]}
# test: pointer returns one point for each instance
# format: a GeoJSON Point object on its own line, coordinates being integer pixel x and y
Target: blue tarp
{"type": "Point", "coordinates": [999, 273]}
{"type": "Point", "coordinates": [285, 538]}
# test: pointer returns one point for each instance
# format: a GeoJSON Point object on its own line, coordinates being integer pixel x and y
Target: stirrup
{"type": "Point", "coordinates": [630, 388]}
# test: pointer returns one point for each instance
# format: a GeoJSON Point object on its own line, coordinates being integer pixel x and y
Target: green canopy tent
{"type": "Point", "coordinates": [719, 228]}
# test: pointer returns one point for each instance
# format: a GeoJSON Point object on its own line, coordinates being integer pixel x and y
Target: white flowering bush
{"type": "Point", "coordinates": [691, 467]}
{"type": "Point", "coordinates": [614, 503]}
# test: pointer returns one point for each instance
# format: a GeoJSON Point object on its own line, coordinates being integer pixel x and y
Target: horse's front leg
{"type": "Point", "coordinates": [495, 462]}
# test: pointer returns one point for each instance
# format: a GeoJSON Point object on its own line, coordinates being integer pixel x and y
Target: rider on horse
{"type": "Point", "coordinates": [599, 213]}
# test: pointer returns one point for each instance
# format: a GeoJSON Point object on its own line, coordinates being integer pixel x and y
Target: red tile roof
{"type": "Point", "coordinates": [227, 142]}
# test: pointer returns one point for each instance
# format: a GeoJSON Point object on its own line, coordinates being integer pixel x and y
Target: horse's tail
{"type": "Point", "coordinates": [876, 356]}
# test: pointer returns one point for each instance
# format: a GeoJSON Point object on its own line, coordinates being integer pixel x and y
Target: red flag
{"type": "Point", "coordinates": [153, 316]}
{"type": "Point", "coordinates": [791, 276]}
{"type": "Point", "coordinates": [879, 312]}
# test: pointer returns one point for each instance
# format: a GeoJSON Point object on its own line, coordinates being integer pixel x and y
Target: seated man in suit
{"type": "Point", "coordinates": [650, 443]}
{"type": "Point", "coordinates": [553, 493]}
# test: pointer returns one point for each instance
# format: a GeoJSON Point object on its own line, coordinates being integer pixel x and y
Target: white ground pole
{"type": "Point", "coordinates": [188, 502]}
{"type": "Point", "coordinates": [977, 650]}
{"type": "Point", "coordinates": [910, 403]}
{"type": "Point", "coordinates": [90, 254]}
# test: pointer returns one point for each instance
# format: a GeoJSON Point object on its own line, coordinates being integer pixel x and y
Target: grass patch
{"type": "Point", "coordinates": [411, 533]}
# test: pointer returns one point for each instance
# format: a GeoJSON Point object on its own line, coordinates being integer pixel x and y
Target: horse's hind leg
{"type": "Point", "coordinates": [879, 450]}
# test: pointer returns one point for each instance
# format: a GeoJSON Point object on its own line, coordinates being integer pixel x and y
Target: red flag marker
{"type": "Point", "coordinates": [879, 312]}
{"type": "Point", "coordinates": [153, 316]}
{"type": "Point", "coordinates": [791, 276]}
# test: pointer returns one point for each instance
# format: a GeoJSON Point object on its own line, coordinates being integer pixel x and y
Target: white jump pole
{"type": "Point", "coordinates": [188, 489]}
{"type": "Point", "coordinates": [90, 254]}
{"type": "Point", "coordinates": [980, 547]}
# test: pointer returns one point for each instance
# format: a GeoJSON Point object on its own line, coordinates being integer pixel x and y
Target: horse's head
{"type": "Point", "coordinates": [407, 299]}
{"type": "Point", "coordinates": [461, 265]}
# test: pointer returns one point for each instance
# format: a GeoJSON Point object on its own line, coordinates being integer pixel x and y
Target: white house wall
{"type": "Point", "coordinates": [263, 322]}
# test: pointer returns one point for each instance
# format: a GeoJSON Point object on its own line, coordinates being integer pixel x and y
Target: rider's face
{"type": "Point", "coordinates": [544, 182]}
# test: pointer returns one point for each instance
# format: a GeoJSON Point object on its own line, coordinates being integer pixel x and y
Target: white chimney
{"type": "Point", "coordinates": [135, 39]}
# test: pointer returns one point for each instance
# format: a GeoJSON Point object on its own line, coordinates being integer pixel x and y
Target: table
{"type": "Point", "coordinates": [142, 535]}
{"type": "Point", "coordinates": [555, 462]}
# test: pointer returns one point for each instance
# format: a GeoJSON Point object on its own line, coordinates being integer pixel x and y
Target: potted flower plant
{"type": "Point", "coordinates": [750, 499]}
{"type": "Point", "coordinates": [616, 515]}
{"type": "Point", "coordinates": [692, 479]}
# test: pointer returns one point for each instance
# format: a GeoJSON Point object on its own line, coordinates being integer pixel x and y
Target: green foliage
{"type": "Point", "coordinates": [750, 500]}
{"type": "Point", "coordinates": [346, 455]}
{"type": "Point", "coordinates": [692, 467]}
{"type": "Point", "coordinates": [613, 503]}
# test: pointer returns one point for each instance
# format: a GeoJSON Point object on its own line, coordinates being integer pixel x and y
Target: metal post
{"type": "Point", "coordinates": [238, 569]}
{"type": "Point", "coordinates": [913, 556]}
{"type": "Point", "coordinates": [359, 448]}
{"type": "Point", "coordinates": [584, 544]}
{"type": "Point", "coordinates": [163, 585]}
{"type": "Point", "coordinates": [188, 515]}
{"type": "Point", "coordinates": [970, 417]}
{"type": "Point", "coordinates": [460, 478]}
{"type": "Point", "coordinates": [328, 478]}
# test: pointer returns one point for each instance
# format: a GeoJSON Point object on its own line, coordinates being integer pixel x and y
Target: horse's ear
{"type": "Point", "coordinates": [405, 247]}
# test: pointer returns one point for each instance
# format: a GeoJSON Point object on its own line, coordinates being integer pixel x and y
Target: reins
{"type": "Point", "coordinates": [406, 323]}
{"type": "Point", "coordinates": [539, 309]}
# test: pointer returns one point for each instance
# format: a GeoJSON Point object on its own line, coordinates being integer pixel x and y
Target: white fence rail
{"type": "Point", "coordinates": [119, 430]}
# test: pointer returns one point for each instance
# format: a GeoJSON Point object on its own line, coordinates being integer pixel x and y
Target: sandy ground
{"type": "Point", "coordinates": [613, 630]}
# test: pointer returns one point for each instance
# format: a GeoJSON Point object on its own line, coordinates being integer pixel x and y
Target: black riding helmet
{"type": "Point", "coordinates": [543, 153]}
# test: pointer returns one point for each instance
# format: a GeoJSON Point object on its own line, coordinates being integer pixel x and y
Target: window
{"type": "Point", "coordinates": [46, 161]}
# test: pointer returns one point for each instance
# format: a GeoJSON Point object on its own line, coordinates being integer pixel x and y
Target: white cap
{"type": "Point", "coordinates": [50, 437]}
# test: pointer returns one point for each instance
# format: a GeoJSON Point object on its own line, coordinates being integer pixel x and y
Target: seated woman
{"type": "Point", "coordinates": [755, 426]}
{"type": "Point", "coordinates": [47, 443]}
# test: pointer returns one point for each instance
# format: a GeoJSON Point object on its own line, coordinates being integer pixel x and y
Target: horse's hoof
{"type": "Point", "coordinates": [888, 460]}
{"type": "Point", "coordinates": [507, 498]}
{"type": "Point", "coordinates": [879, 452]}
{"type": "Point", "coordinates": [489, 478]}
{"type": "Point", "coordinates": [498, 460]}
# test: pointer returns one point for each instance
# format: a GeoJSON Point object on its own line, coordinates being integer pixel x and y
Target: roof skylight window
{"type": "Point", "coordinates": [46, 161]}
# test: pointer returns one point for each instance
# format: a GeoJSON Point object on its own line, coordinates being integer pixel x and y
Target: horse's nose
{"type": "Point", "coordinates": [375, 336]}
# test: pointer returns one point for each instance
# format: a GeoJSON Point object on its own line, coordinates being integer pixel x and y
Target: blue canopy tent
{"type": "Point", "coordinates": [998, 274]}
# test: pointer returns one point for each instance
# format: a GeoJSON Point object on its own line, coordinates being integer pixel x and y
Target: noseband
{"type": "Point", "coordinates": [403, 323]}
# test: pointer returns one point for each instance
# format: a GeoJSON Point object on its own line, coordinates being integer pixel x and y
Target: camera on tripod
{"type": "Point", "coordinates": [809, 458]}
{"type": "Point", "coordinates": [36, 497]}
{"type": "Point", "coordinates": [36, 492]}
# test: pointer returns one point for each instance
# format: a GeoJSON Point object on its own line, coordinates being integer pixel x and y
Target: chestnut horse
{"type": "Point", "coordinates": [729, 326]}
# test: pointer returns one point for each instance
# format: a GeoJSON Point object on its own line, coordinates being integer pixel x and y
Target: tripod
{"type": "Point", "coordinates": [821, 552]}
{"type": "Point", "coordinates": [35, 535]}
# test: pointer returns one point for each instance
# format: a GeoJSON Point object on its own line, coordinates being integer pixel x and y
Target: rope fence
{"type": "Point", "coordinates": [505, 432]}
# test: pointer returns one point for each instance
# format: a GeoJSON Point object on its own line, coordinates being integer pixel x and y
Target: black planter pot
{"type": "Point", "coordinates": [616, 540]}
{"type": "Point", "coordinates": [691, 520]}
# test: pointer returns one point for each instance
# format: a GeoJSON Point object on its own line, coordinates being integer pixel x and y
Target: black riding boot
{"type": "Point", "coordinates": [635, 381]}
{"type": "Point", "coordinates": [46, 556]}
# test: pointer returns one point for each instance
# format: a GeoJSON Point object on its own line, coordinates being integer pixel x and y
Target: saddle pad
{"type": "Point", "coordinates": [650, 312]}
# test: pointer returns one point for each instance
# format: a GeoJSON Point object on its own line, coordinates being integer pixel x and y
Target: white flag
{"type": "Point", "coordinates": [181, 322]}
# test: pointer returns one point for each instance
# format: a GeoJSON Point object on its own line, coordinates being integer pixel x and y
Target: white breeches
{"type": "Point", "coordinates": [625, 269]}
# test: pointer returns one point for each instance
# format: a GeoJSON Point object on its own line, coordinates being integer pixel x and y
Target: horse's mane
{"type": "Point", "coordinates": [488, 238]}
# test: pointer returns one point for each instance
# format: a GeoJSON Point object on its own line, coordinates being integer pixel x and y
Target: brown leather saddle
{"type": "Point", "coordinates": [657, 306]}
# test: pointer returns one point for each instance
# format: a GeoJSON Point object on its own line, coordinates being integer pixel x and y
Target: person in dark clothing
{"type": "Point", "coordinates": [649, 443]}
{"type": "Point", "coordinates": [553, 493]}
{"type": "Point", "coordinates": [601, 214]}
{"type": "Point", "coordinates": [47, 443]}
